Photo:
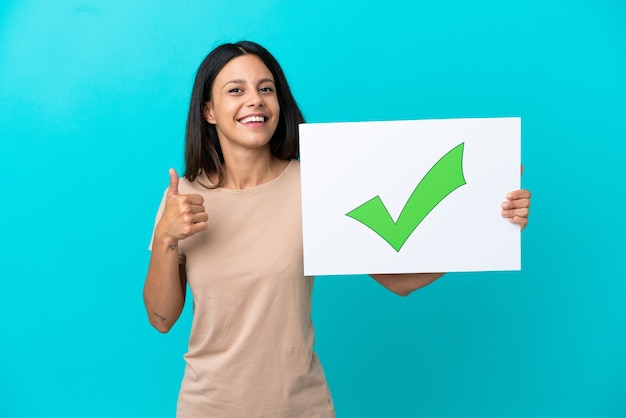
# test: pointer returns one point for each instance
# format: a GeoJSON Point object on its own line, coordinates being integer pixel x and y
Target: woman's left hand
{"type": "Point", "coordinates": [516, 207]}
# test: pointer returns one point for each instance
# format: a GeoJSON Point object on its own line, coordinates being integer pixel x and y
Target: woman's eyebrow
{"type": "Point", "coordinates": [240, 81]}
{"type": "Point", "coordinates": [237, 81]}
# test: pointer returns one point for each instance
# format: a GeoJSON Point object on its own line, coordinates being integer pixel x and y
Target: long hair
{"type": "Point", "coordinates": [203, 153]}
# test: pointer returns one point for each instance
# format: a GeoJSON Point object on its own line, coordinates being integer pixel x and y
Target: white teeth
{"type": "Point", "coordinates": [252, 119]}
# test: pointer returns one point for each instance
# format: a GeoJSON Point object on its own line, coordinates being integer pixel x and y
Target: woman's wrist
{"type": "Point", "coordinates": [165, 240]}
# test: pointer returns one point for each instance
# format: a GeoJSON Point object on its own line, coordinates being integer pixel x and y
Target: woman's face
{"type": "Point", "coordinates": [244, 105]}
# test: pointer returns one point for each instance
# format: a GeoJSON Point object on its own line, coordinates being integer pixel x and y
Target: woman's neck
{"type": "Point", "coordinates": [251, 168]}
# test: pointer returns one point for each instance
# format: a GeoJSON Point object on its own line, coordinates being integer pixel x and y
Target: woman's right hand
{"type": "Point", "coordinates": [183, 215]}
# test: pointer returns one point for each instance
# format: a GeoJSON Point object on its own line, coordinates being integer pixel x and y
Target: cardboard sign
{"type": "Point", "coordinates": [409, 196]}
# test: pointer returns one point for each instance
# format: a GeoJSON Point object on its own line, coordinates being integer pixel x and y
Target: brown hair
{"type": "Point", "coordinates": [203, 153]}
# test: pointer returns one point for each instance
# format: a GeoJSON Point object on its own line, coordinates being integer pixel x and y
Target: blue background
{"type": "Point", "coordinates": [93, 98]}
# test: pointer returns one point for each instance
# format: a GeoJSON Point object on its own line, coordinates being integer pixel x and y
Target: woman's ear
{"type": "Point", "coordinates": [208, 113]}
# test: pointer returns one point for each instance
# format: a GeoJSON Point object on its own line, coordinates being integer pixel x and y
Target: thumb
{"type": "Point", "coordinates": [173, 188]}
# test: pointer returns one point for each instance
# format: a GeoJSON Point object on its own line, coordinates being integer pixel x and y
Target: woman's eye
{"type": "Point", "coordinates": [266, 90]}
{"type": "Point", "coordinates": [235, 90]}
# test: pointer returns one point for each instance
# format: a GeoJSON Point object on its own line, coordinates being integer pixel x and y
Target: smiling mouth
{"type": "Point", "coordinates": [250, 119]}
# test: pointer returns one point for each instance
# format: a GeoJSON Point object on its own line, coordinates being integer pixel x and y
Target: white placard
{"type": "Point", "coordinates": [451, 221]}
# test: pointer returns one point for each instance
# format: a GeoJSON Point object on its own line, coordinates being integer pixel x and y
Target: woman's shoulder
{"type": "Point", "coordinates": [199, 185]}
{"type": "Point", "coordinates": [292, 170]}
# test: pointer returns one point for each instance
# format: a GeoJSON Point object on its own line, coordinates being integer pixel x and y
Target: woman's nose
{"type": "Point", "coordinates": [255, 99]}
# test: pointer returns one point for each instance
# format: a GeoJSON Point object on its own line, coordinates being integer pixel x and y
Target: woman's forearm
{"type": "Point", "coordinates": [404, 284]}
{"type": "Point", "coordinates": [164, 289]}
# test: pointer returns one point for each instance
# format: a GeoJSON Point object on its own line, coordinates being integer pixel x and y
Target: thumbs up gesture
{"type": "Point", "coordinates": [183, 215]}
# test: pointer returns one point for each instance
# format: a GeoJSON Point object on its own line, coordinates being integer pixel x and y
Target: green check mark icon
{"type": "Point", "coordinates": [442, 179]}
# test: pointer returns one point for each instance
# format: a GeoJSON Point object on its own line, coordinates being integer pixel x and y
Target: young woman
{"type": "Point", "coordinates": [231, 228]}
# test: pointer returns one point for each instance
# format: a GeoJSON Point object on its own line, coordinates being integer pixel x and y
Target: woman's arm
{"type": "Point", "coordinates": [166, 281]}
{"type": "Point", "coordinates": [404, 284]}
{"type": "Point", "coordinates": [165, 287]}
